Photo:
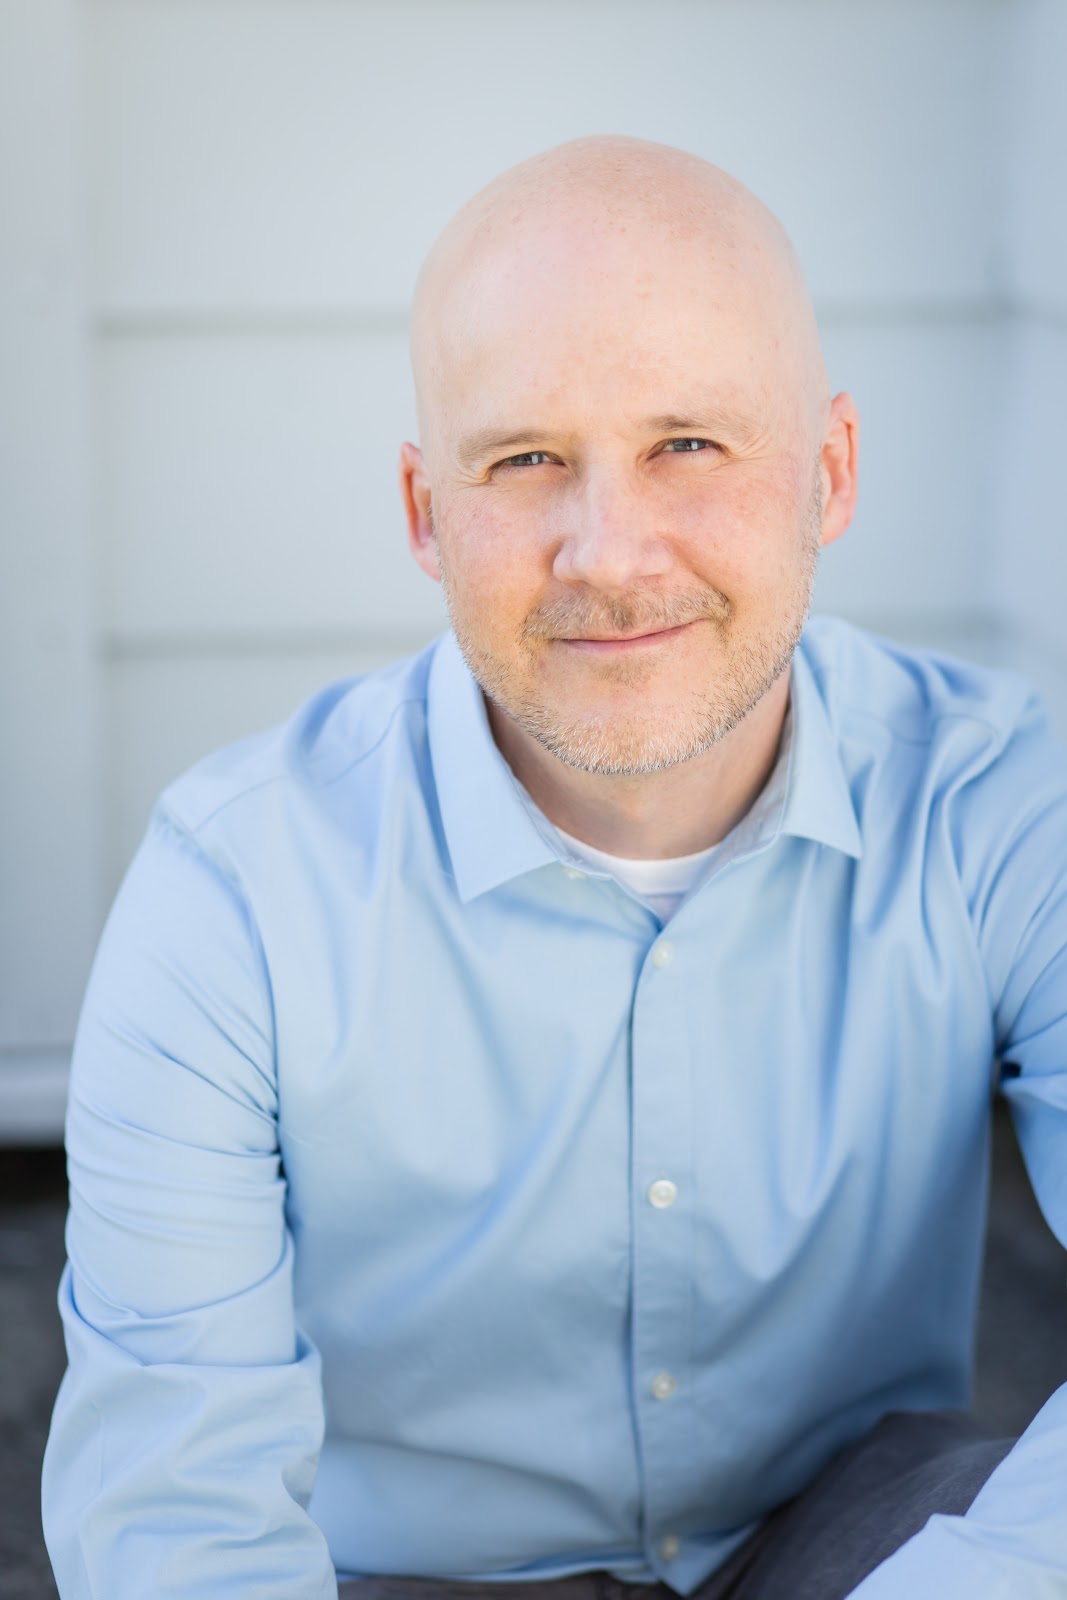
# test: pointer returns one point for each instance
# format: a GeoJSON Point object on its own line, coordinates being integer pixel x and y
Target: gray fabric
{"type": "Point", "coordinates": [868, 1502]}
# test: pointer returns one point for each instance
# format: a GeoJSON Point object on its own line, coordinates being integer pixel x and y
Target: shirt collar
{"type": "Point", "coordinates": [491, 835]}
{"type": "Point", "coordinates": [818, 804]}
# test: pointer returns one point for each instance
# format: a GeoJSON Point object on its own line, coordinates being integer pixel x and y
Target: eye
{"type": "Point", "coordinates": [688, 446]}
{"type": "Point", "coordinates": [528, 458]}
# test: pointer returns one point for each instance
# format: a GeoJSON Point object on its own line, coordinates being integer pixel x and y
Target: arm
{"type": "Point", "coordinates": [1012, 1543]}
{"type": "Point", "coordinates": [186, 1432]}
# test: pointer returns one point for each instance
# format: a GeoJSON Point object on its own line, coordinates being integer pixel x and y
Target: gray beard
{"type": "Point", "coordinates": [646, 744]}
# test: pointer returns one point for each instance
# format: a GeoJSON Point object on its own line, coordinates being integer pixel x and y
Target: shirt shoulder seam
{"type": "Point", "coordinates": [194, 829]}
{"type": "Point", "coordinates": [938, 712]}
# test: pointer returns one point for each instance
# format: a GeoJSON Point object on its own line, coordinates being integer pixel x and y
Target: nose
{"type": "Point", "coordinates": [610, 538]}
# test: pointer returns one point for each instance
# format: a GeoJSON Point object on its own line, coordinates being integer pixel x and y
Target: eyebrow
{"type": "Point", "coordinates": [487, 442]}
{"type": "Point", "coordinates": [715, 419]}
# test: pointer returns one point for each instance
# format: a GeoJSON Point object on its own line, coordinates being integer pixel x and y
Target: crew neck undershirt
{"type": "Point", "coordinates": [661, 884]}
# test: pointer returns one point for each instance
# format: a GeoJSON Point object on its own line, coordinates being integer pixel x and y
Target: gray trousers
{"type": "Point", "coordinates": [864, 1505]}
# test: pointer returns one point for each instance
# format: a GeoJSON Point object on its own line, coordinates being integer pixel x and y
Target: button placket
{"type": "Point", "coordinates": [661, 1331]}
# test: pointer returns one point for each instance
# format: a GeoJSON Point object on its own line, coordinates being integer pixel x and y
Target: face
{"type": "Point", "coordinates": [622, 499]}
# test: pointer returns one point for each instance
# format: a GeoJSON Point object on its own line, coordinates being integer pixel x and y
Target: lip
{"type": "Point", "coordinates": [625, 645]}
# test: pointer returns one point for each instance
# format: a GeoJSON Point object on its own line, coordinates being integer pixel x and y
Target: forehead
{"type": "Point", "coordinates": [624, 322]}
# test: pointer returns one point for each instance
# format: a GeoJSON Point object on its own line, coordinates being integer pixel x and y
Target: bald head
{"type": "Point", "coordinates": [629, 458]}
{"type": "Point", "coordinates": [612, 222]}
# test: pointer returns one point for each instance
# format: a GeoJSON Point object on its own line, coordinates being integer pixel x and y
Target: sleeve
{"type": "Point", "coordinates": [1012, 1543]}
{"type": "Point", "coordinates": [186, 1432]}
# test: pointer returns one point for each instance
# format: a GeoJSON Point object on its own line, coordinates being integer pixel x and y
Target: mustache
{"type": "Point", "coordinates": [580, 616]}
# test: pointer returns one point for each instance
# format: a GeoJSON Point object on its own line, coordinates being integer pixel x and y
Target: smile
{"type": "Point", "coordinates": [624, 645]}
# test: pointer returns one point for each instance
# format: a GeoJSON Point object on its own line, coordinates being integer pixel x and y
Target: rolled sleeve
{"type": "Point", "coordinates": [1012, 1543]}
{"type": "Point", "coordinates": [186, 1432]}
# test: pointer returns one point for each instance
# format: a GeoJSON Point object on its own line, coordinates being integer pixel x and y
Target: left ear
{"type": "Point", "coordinates": [415, 493]}
{"type": "Point", "coordinates": [837, 465]}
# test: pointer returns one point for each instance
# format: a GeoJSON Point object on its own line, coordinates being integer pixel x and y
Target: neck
{"type": "Point", "coordinates": [652, 815]}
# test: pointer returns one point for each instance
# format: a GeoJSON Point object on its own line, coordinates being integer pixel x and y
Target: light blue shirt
{"type": "Point", "coordinates": [553, 1238]}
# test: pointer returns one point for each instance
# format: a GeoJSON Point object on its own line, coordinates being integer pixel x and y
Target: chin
{"type": "Point", "coordinates": [624, 750]}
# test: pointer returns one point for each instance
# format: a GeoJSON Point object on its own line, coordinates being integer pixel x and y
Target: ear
{"type": "Point", "coordinates": [838, 461]}
{"type": "Point", "coordinates": [415, 493]}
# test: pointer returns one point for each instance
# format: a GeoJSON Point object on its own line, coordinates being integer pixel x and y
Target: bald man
{"type": "Point", "coordinates": [529, 1120]}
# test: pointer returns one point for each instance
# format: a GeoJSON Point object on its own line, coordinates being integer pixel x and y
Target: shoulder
{"type": "Point", "coordinates": [940, 746]}
{"type": "Point", "coordinates": [881, 692]}
{"type": "Point", "coordinates": [344, 726]}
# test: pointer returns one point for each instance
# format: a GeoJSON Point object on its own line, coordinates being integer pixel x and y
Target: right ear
{"type": "Point", "coordinates": [415, 493]}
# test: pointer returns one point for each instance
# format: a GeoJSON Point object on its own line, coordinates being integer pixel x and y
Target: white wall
{"type": "Point", "coordinates": [252, 183]}
{"type": "Point", "coordinates": [1028, 572]}
{"type": "Point", "coordinates": [50, 825]}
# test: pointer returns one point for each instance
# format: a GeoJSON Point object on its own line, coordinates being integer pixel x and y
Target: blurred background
{"type": "Point", "coordinates": [211, 215]}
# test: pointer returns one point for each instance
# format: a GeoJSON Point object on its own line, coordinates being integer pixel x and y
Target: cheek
{"type": "Point", "coordinates": [752, 533]}
{"type": "Point", "coordinates": [494, 574]}
{"type": "Point", "coordinates": [494, 548]}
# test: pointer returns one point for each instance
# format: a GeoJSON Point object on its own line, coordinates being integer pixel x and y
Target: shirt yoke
{"type": "Point", "coordinates": [917, 696]}
{"type": "Point", "coordinates": [336, 729]}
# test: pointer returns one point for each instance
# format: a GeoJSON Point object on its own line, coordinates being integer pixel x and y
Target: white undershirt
{"type": "Point", "coordinates": [664, 884]}
{"type": "Point", "coordinates": [660, 884]}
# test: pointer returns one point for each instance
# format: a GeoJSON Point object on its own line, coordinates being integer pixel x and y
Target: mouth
{"type": "Point", "coordinates": [624, 643]}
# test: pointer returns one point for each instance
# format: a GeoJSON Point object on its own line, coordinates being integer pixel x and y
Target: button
{"type": "Point", "coordinates": [669, 1547]}
{"type": "Point", "coordinates": [663, 1385]}
{"type": "Point", "coordinates": [662, 1193]}
{"type": "Point", "coordinates": [573, 872]}
{"type": "Point", "coordinates": [662, 953]}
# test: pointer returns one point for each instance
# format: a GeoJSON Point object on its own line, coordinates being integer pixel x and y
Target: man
{"type": "Point", "coordinates": [529, 1119]}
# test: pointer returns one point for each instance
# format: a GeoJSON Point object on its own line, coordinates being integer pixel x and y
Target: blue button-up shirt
{"type": "Point", "coordinates": [436, 1210]}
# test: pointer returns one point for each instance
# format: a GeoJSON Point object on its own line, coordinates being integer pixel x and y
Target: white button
{"type": "Point", "coordinates": [663, 1385]}
{"type": "Point", "coordinates": [669, 1547]}
{"type": "Point", "coordinates": [662, 1193]}
{"type": "Point", "coordinates": [662, 953]}
{"type": "Point", "coordinates": [572, 872]}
